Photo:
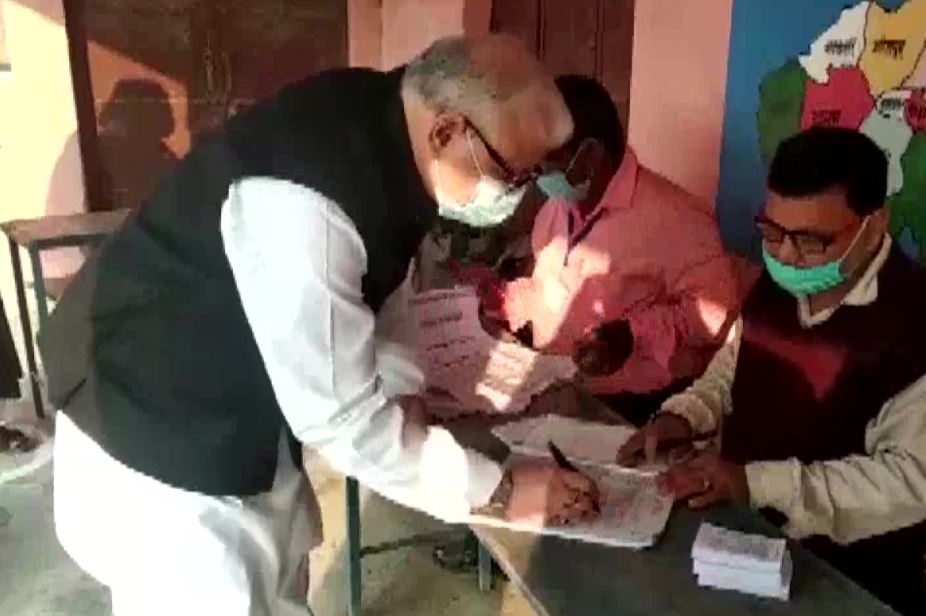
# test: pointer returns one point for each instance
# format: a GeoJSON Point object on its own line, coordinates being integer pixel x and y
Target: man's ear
{"type": "Point", "coordinates": [444, 127]}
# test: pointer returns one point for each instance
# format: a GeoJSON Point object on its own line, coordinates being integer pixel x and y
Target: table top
{"type": "Point", "coordinates": [48, 231]}
{"type": "Point", "coordinates": [561, 577]}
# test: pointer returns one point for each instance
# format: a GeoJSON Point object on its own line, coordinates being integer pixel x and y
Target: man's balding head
{"type": "Point", "coordinates": [487, 92]}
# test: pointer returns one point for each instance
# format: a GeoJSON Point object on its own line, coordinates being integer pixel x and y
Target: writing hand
{"type": "Point", "coordinates": [706, 480]}
{"type": "Point", "coordinates": [543, 494]}
{"type": "Point", "coordinates": [667, 433]}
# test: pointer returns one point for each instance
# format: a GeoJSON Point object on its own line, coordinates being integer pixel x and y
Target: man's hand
{"type": "Point", "coordinates": [604, 349]}
{"type": "Point", "coordinates": [667, 433]}
{"type": "Point", "coordinates": [706, 480]}
{"type": "Point", "coordinates": [543, 495]}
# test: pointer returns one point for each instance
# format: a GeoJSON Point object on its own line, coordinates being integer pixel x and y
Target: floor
{"type": "Point", "coordinates": [38, 579]}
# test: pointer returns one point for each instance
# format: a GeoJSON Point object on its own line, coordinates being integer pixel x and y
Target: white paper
{"type": "Point", "coordinates": [730, 548]}
{"type": "Point", "coordinates": [467, 370]}
{"type": "Point", "coordinates": [775, 585]}
{"type": "Point", "coordinates": [633, 513]}
{"type": "Point", "coordinates": [583, 441]}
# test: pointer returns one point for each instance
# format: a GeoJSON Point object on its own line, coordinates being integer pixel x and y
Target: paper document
{"type": "Point", "coordinates": [466, 369]}
{"type": "Point", "coordinates": [584, 441]}
{"type": "Point", "coordinates": [633, 513]}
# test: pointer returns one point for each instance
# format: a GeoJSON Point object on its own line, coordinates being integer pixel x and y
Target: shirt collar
{"type": "Point", "coordinates": [621, 188]}
{"type": "Point", "coordinates": [619, 192]}
{"type": "Point", "coordinates": [864, 293]}
{"type": "Point", "coordinates": [401, 176]}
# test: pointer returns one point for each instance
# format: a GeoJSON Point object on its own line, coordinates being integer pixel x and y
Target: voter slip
{"type": "Point", "coordinates": [732, 560]}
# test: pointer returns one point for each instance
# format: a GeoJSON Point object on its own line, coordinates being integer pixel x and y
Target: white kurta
{"type": "Point", "coordinates": [298, 263]}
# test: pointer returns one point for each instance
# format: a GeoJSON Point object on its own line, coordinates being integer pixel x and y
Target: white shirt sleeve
{"type": "Point", "coordinates": [298, 263]}
{"type": "Point", "coordinates": [397, 361]}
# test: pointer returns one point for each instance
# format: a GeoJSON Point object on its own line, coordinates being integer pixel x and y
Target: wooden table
{"type": "Point", "coordinates": [560, 577]}
{"type": "Point", "coordinates": [37, 235]}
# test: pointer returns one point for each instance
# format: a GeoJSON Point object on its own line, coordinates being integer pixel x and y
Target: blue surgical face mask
{"type": "Point", "coordinates": [555, 186]}
{"type": "Point", "coordinates": [492, 203]}
{"type": "Point", "coordinates": [804, 281]}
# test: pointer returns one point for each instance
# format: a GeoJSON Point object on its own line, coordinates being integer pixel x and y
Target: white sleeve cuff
{"type": "Point", "coordinates": [688, 406]}
{"type": "Point", "coordinates": [771, 484]}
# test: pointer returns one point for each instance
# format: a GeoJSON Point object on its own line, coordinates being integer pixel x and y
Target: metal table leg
{"type": "Point", "coordinates": [28, 342]}
{"type": "Point", "coordinates": [485, 568]}
{"type": "Point", "coordinates": [38, 285]}
{"type": "Point", "coordinates": [353, 548]}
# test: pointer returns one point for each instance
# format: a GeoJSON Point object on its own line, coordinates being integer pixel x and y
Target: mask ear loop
{"type": "Point", "coordinates": [586, 143]}
{"type": "Point", "coordinates": [855, 240]}
{"type": "Point", "coordinates": [472, 152]}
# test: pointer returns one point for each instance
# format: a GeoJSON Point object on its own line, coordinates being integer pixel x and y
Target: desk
{"type": "Point", "coordinates": [36, 235]}
{"type": "Point", "coordinates": [560, 577]}
{"type": "Point", "coordinates": [566, 577]}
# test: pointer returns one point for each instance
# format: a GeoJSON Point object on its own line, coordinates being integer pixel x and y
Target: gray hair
{"type": "Point", "coordinates": [447, 78]}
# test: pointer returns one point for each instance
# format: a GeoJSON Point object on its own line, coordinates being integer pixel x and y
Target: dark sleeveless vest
{"type": "Point", "coordinates": [149, 350]}
{"type": "Point", "coordinates": [810, 393]}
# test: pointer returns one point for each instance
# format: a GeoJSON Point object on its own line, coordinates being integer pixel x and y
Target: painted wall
{"type": "Point", "coordinates": [386, 33]}
{"type": "Point", "coordinates": [678, 87]}
{"type": "Point", "coordinates": [40, 168]}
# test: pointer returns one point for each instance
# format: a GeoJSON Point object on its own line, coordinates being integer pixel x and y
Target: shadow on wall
{"type": "Point", "coordinates": [133, 127]}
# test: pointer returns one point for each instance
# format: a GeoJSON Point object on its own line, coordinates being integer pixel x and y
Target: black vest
{"type": "Point", "coordinates": [149, 350]}
{"type": "Point", "coordinates": [810, 394]}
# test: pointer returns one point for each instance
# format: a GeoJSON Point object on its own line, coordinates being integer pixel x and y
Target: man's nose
{"type": "Point", "coordinates": [788, 252]}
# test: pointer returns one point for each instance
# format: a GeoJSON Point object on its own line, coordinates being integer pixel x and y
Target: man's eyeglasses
{"type": "Point", "coordinates": [515, 179]}
{"type": "Point", "coordinates": [806, 242]}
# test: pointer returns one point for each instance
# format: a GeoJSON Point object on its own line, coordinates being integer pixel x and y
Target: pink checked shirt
{"type": "Point", "coordinates": [649, 253]}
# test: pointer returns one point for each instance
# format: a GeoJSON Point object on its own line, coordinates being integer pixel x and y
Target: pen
{"type": "Point", "coordinates": [563, 462]}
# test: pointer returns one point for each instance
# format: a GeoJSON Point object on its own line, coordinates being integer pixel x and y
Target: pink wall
{"type": "Point", "coordinates": [386, 33]}
{"type": "Point", "coordinates": [365, 33]}
{"type": "Point", "coordinates": [40, 166]}
{"type": "Point", "coordinates": [678, 88]}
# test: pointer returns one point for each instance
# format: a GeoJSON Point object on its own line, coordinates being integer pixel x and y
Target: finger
{"type": "Point", "coordinates": [629, 451]}
{"type": "Point", "coordinates": [681, 455]}
{"type": "Point", "coordinates": [683, 484]}
{"type": "Point", "coordinates": [705, 499]}
{"type": "Point", "coordinates": [576, 482]}
{"type": "Point", "coordinates": [650, 445]}
{"type": "Point", "coordinates": [703, 463]}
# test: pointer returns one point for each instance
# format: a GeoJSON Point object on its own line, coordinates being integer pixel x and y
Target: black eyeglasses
{"type": "Point", "coordinates": [513, 178]}
{"type": "Point", "coordinates": [806, 242]}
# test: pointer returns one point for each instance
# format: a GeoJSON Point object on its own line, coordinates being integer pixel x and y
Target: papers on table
{"type": "Point", "coordinates": [633, 513]}
{"type": "Point", "coordinates": [582, 441]}
{"type": "Point", "coordinates": [466, 370]}
{"type": "Point", "coordinates": [731, 560]}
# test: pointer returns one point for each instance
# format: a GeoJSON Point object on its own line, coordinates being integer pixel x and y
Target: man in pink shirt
{"type": "Point", "coordinates": [630, 277]}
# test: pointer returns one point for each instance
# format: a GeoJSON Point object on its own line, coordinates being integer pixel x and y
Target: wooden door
{"type": "Point", "coordinates": [151, 77]}
{"type": "Point", "coordinates": [588, 37]}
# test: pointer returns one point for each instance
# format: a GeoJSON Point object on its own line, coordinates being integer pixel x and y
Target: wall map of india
{"type": "Point", "coordinates": [864, 70]}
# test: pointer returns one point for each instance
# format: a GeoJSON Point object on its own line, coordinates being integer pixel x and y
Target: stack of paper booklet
{"type": "Point", "coordinates": [731, 560]}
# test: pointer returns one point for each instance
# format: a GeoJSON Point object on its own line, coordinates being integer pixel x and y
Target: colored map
{"type": "Point", "coordinates": [861, 66]}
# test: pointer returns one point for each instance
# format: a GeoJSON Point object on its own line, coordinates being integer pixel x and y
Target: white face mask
{"type": "Point", "coordinates": [492, 203]}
